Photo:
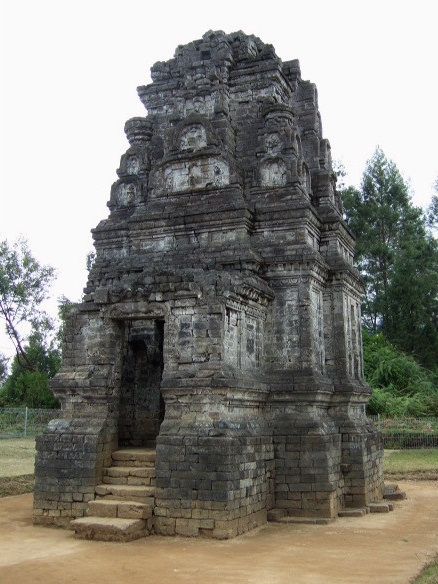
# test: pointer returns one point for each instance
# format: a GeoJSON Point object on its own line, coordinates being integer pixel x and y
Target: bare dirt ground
{"type": "Point", "coordinates": [378, 549]}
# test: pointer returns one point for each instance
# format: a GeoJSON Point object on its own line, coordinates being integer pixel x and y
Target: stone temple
{"type": "Point", "coordinates": [213, 374]}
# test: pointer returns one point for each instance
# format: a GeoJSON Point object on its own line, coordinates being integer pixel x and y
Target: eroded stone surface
{"type": "Point", "coordinates": [221, 318]}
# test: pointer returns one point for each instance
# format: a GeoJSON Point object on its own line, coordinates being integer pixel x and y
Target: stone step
{"type": "Point", "coordinates": [152, 443]}
{"type": "Point", "coordinates": [130, 471]}
{"type": "Point", "coordinates": [111, 528]}
{"type": "Point", "coordinates": [134, 463]}
{"type": "Point", "coordinates": [306, 520]}
{"type": "Point", "coordinates": [380, 507]}
{"type": "Point", "coordinates": [130, 492]}
{"type": "Point", "coordinates": [134, 457]}
{"type": "Point", "coordinates": [360, 512]}
{"type": "Point", "coordinates": [129, 475]}
{"type": "Point", "coordinates": [392, 492]}
{"type": "Point", "coordinates": [147, 482]}
{"type": "Point", "coordinates": [120, 508]}
{"type": "Point", "coordinates": [276, 514]}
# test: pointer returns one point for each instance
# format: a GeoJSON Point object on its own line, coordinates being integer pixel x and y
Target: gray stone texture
{"type": "Point", "coordinates": [221, 317]}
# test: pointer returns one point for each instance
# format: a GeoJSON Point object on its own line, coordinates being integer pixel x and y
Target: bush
{"type": "Point", "coordinates": [30, 387]}
{"type": "Point", "coordinates": [401, 387]}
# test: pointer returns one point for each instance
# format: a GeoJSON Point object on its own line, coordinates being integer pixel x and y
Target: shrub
{"type": "Point", "coordinates": [401, 387]}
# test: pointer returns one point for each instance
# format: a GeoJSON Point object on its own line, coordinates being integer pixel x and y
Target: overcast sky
{"type": "Point", "coordinates": [70, 69]}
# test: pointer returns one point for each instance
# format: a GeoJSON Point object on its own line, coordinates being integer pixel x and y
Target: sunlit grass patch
{"type": "Point", "coordinates": [428, 575]}
{"type": "Point", "coordinates": [411, 461]}
{"type": "Point", "coordinates": [17, 457]}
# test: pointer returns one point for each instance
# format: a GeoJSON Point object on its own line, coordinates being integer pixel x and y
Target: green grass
{"type": "Point", "coordinates": [429, 574]}
{"type": "Point", "coordinates": [412, 461]}
{"type": "Point", "coordinates": [17, 457]}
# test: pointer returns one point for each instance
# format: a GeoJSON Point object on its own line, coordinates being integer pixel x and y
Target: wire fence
{"type": "Point", "coordinates": [400, 433]}
{"type": "Point", "coordinates": [24, 422]}
{"type": "Point", "coordinates": [397, 433]}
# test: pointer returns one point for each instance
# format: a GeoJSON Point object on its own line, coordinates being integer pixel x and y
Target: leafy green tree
{"type": "Point", "coordinates": [24, 285]}
{"type": "Point", "coordinates": [412, 298]}
{"type": "Point", "coordinates": [378, 214]}
{"type": "Point", "coordinates": [398, 259]}
{"type": "Point", "coordinates": [432, 211]}
{"type": "Point", "coordinates": [28, 383]}
{"type": "Point", "coordinates": [3, 368]}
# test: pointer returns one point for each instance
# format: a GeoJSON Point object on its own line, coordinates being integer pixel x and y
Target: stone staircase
{"type": "Point", "coordinates": [124, 503]}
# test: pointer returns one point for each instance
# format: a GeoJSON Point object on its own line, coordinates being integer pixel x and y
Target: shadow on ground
{"type": "Point", "coordinates": [379, 548]}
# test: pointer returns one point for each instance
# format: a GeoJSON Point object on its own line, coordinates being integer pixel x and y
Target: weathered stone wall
{"type": "Point", "coordinates": [226, 228]}
{"type": "Point", "coordinates": [74, 449]}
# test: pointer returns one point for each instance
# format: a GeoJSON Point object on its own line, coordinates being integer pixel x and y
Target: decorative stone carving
{"type": "Point", "coordinates": [200, 174]}
{"type": "Point", "coordinates": [274, 144]}
{"type": "Point", "coordinates": [193, 138]}
{"type": "Point", "coordinates": [132, 164]}
{"type": "Point", "coordinates": [273, 173]}
{"type": "Point", "coordinates": [126, 194]}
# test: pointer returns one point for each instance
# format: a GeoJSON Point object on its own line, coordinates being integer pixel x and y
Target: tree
{"type": "Point", "coordinates": [24, 284]}
{"type": "Point", "coordinates": [432, 211]}
{"type": "Point", "coordinates": [398, 259]}
{"type": "Point", "coordinates": [378, 214]}
{"type": "Point", "coordinates": [412, 298]}
{"type": "Point", "coordinates": [28, 383]}
{"type": "Point", "coordinates": [3, 368]}
{"type": "Point", "coordinates": [401, 387]}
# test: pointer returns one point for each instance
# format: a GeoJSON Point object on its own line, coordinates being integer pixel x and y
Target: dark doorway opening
{"type": "Point", "coordinates": [141, 402]}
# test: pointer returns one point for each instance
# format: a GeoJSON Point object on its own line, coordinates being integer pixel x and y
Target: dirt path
{"type": "Point", "coordinates": [377, 549]}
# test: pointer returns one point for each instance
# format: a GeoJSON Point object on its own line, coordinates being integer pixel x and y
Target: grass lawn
{"type": "Point", "coordinates": [429, 574]}
{"type": "Point", "coordinates": [412, 461]}
{"type": "Point", "coordinates": [17, 457]}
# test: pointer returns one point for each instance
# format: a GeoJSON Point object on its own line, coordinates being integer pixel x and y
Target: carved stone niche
{"type": "Point", "coordinates": [193, 137]}
{"type": "Point", "coordinates": [273, 143]}
{"type": "Point", "coordinates": [132, 163]}
{"type": "Point", "coordinates": [277, 115]}
{"type": "Point", "coordinates": [273, 173]}
{"type": "Point", "coordinates": [194, 160]}
{"type": "Point", "coordinates": [126, 194]}
{"type": "Point", "coordinates": [198, 174]}
{"type": "Point", "coordinates": [305, 177]}
{"type": "Point", "coordinates": [325, 155]}
{"type": "Point", "coordinates": [123, 195]}
{"type": "Point", "coordinates": [279, 135]}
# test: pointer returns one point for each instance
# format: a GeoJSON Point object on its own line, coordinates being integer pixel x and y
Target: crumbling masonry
{"type": "Point", "coordinates": [221, 318]}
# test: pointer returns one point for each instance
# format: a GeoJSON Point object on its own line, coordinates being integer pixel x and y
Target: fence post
{"type": "Point", "coordinates": [25, 423]}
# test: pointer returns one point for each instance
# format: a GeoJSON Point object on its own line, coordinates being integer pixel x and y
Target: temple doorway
{"type": "Point", "coordinates": [141, 403]}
